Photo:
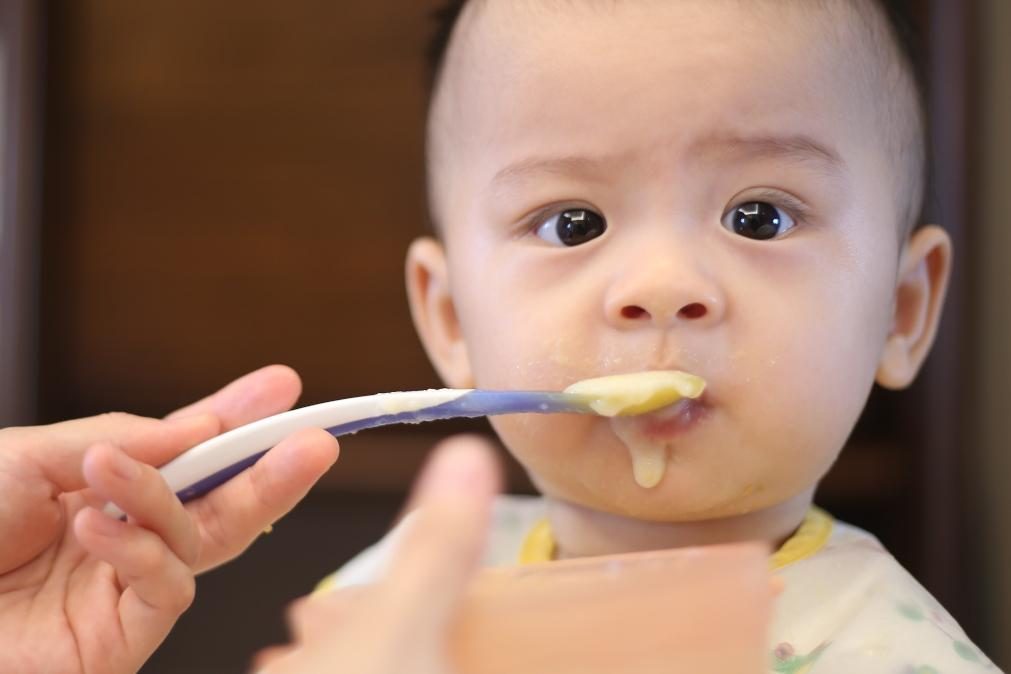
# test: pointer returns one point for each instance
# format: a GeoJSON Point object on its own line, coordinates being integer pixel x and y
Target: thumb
{"type": "Point", "coordinates": [443, 545]}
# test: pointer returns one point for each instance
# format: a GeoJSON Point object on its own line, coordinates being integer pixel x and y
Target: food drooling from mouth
{"type": "Point", "coordinates": [649, 458]}
{"type": "Point", "coordinates": [647, 409]}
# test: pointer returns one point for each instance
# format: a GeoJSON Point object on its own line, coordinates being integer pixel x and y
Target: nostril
{"type": "Point", "coordinates": [693, 310]}
{"type": "Point", "coordinates": [633, 312]}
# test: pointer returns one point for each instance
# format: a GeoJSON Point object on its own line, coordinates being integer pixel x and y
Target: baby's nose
{"type": "Point", "coordinates": [663, 298]}
{"type": "Point", "coordinates": [688, 312]}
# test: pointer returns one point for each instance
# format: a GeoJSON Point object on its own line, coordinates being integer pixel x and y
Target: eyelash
{"type": "Point", "coordinates": [530, 223]}
{"type": "Point", "coordinates": [794, 207]}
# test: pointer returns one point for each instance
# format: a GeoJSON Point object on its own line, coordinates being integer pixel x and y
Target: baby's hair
{"type": "Point", "coordinates": [904, 31]}
{"type": "Point", "coordinates": [445, 19]}
{"type": "Point", "coordinates": [908, 53]}
{"type": "Point", "coordinates": [908, 38]}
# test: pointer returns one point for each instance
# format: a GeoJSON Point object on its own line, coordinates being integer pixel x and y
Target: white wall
{"type": "Point", "coordinates": [992, 267]}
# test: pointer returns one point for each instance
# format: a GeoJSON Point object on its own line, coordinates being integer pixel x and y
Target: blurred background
{"type": "Point", "coordinates": [191, 189]}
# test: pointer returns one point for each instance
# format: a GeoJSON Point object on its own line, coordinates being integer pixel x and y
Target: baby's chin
{"type": "Point", "coordinates": [685, 473]}
{"type": "Point", "coordinates": [656, 504]}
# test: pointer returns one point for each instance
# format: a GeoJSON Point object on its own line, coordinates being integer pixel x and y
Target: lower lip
{"type": "Point", "coordinates": [670, 422]}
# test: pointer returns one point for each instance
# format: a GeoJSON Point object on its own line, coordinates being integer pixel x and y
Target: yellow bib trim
{"type": "Point", "coordinates": [810, 537]}
{"type": "Point", "coordinates": [539, 545]}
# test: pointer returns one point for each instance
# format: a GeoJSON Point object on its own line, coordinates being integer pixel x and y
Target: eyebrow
{"type": "Point", "coordinates": [563, 165]}
{"type": "Point", "coordinates": [795, 148]}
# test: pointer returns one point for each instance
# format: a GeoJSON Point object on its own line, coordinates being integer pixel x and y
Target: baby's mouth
{"type": "Point", "coordinates": [669, 422]}
{"type": "Point", "coordinates": [650, 437]}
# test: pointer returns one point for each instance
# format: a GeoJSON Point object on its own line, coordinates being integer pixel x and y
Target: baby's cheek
{"type": "Point", "coordinates": [566, 353]}
{"type": "Point", "coordinates": [537, 360]}
{"type": "Point", "coordinates": [519, 430]}
{"type": "Point", "coordinates": [809, 401]}
{"type": "Point", "coordinates": [542, 442]}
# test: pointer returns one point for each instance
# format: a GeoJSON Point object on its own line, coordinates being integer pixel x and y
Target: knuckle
{"type": "Point", "coordinates": [151, 559]}
{"type": "Point", "coordinates": [191, 545]}
{"type": "Point", "coordinates": [183, 596]}
{"type": "Point", "coordinates": [209, 522]}
{"type": "Point", "coordinates": [153, 487]}
{"type": "Point", "coordinates": [262, 483]}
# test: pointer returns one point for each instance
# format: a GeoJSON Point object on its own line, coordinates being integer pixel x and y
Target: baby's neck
{"type": "Point", "coordinates": [582, 532]}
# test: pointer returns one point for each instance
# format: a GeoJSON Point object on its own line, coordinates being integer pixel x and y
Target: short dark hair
{"type": "Point", "coordinates": [444, 19]}
{"type": "Point", "coordinates": [909, 38]}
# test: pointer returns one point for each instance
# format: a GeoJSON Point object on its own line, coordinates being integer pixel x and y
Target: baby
{"type": "Point", "coordinates": [723, 187]}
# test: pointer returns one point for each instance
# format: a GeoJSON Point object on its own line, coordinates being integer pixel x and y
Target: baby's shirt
{"type": "Point", "coordinates": [848, 605]}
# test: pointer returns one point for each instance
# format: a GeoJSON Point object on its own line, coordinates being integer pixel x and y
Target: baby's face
{"type": "Point", "coordinates": [688, 185]}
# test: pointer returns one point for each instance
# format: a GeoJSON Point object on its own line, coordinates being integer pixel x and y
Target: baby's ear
{"type": "Point", "coordinates": [919, 296]}
{"type": "Point", "coordinates": [434, 313]}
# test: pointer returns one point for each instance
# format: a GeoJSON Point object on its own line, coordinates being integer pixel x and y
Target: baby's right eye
{"type": "Point", "coordinates": [572, 227]}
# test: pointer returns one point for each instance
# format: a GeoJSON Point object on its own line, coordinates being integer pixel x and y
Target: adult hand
{"type": "Point", "coordinates": [83, 593]}
{"type": "Point", "coordinates": [401, 625]}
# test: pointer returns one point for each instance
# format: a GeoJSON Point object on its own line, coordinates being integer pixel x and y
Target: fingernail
{"type": "Point", "coordinates": [124, 467]}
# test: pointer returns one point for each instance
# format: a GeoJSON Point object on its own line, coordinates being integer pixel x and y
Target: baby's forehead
{"type": "Point", "coordinates": [502, 49]}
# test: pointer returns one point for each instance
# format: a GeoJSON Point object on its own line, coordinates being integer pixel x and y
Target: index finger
{"type": "Point", "coordinates": [57, 450]}
{"type": "Point", "coordinates": [259, 394]}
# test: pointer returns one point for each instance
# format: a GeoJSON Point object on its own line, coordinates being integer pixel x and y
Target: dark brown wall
{"type": "Point", "coordinates": [230, 184]}
{"type": "Point", "coordinates": [20, 132]}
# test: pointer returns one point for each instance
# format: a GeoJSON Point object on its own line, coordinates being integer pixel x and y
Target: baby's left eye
{"type": "Point", "coordinates": [572, 227]}
{"type": "Point", "coordinates": [758, 220]}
